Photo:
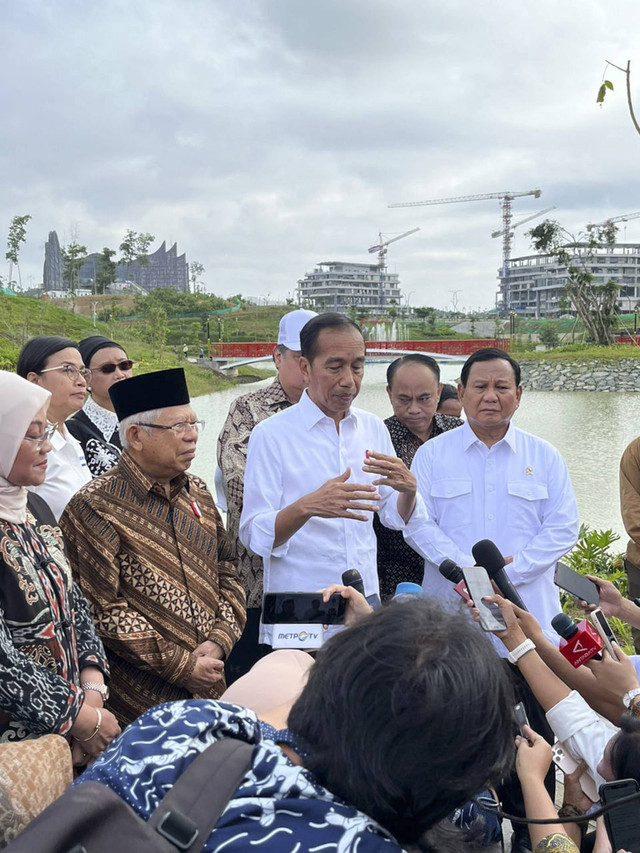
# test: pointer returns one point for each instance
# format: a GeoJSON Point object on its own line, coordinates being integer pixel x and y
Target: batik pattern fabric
{"type": "Point", "coordinates": [279, 807]}
{"type": "Point", "coordinates": [397, 561]}
{"type": "Point", "coordinates": [245, 412]}
{"type": "Point", "coordinates": [46, 634]}
{"type": "Point", "coordinates": [556, 843]}
{"type": "Point", "coordinates": [96, 428]}
{"type": "Point", "coordinates": [160, 578]}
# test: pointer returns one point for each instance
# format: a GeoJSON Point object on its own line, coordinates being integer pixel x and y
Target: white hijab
{"type": "Point", "coordinates": [20, 401]}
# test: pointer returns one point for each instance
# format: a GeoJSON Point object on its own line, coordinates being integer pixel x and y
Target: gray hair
{"type": "Point", "coordinates": [142, 419]}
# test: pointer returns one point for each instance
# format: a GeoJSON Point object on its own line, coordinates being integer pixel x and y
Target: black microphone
{"type": "Point", "coordinates": [580, 642]}
{"type": "Point", "coordinates": [487, 555]}
{"type": "Point", "coordinates": [352, 577]}
{"type": "Point", "coordinates": [451, 571]}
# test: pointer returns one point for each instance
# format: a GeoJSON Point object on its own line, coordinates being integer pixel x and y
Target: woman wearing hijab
{"type": "Point", "coordinates": [56, 365]}
{"type": "Point", "coordinates": [96, 425]}
{"type": "Point", "coordinates": [52, 662]}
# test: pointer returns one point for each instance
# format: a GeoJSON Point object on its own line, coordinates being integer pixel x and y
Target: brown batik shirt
{"type": "Point", "coordinates": [244, 414]}
{"type": "Point", "coordinates": [160, 581]}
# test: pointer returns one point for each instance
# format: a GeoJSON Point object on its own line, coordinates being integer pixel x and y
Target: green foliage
{"type": "Point", "coordinates": [548, 334]}
{"type": "Point", "coordinates": [593, 555]}
{"type": "Point", "coordinates": [73, 257]}
{"type": "Point", "coordinates": [106, 270]}
{"type": "Point", "coordinates": [602, 91]}
{"type": "Point", "coordinates": [135, 248]}
{"type": "Point", "coordinates": [17, 235]}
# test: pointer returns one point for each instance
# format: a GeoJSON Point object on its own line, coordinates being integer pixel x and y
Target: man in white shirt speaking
{"type": "Point", "coordinates": [317, 471]}
{"type": "Point", "coordinates": [490, 480]}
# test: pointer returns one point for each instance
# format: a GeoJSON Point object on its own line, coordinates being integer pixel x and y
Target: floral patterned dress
{"type": "Point", "coordinates": [46, 633]}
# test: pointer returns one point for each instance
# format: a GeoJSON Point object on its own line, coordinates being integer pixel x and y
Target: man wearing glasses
{"type": "Point", "coordinates": [95, 426]}
{"type": "Point", "coordinates": [149, 550]}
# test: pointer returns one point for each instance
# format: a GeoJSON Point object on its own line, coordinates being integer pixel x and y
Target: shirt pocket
{"type": "Point", "coordinates": [453, 503]}
{"type": "Point", "coordinates": [525, 510]}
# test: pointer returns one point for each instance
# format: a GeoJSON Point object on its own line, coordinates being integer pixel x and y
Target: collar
{"type": "Point", "coordinates": [103, 419]}
{"type": "Point", "coordinates": [141, 484]}
{"type": "Point", "coordinates": [469, 437]}
{"type": "Point", "coordinates": [312, 414]}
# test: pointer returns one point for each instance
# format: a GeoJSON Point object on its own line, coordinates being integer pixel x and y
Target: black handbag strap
{"type": "Point", "coordinates": [191, 809]}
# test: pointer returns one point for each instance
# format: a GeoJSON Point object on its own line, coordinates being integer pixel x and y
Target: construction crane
{"type": "Point", "coordinates": [381, 248]}
{"type": "Point", "coordinates": [505, 197]}
{"type": "Point", "coordinates": [522, 221]}
{"type": "Point", "coordinates": [624, 218]}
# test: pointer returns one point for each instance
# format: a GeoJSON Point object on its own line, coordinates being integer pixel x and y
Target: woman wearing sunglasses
{"type": "Point", "coordinates": [56, 365]}
{"type": "Point", "coordinates": [52, 662]}
{"type": "Point", "coordinates": [96, 425]}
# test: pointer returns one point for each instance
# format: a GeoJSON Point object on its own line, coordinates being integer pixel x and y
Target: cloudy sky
{"type": "Point", "coordinates": [266, 136]}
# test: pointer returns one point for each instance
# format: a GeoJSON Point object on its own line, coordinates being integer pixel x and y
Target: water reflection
{"type": "Point", "coordinates": [591, 431]}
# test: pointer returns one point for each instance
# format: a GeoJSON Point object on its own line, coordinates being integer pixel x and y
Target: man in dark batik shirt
{"type": "Point", "coordinates": [413, 386]}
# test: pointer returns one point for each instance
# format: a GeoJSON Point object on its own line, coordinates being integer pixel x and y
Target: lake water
{"type": "Point", "coordinates": [590, 429]}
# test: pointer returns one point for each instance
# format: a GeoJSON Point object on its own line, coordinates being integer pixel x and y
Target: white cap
{"type": "Point", "coordinates": [290, 327]}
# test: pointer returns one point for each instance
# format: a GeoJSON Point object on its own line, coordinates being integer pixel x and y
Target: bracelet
{"type": "Point", "coordinates": [96, 730]}
{"type": "Point", "coordinates": [524, 647]}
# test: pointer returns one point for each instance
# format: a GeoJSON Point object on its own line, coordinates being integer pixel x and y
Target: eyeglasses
{"type": "Point", "coordinates": [41, 440]}
{"type": "Point", "coordinates": [127, 364]}
{"type": "Point", "coordinates": [180, 428]}
{"type": "Point", "coordinates": [71, 370]}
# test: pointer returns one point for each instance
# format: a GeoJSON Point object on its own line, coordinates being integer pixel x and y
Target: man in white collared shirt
{"type": "Point", "coordinates": [490, 480]}
{"type": "Point", "coordinates": [317, 471]}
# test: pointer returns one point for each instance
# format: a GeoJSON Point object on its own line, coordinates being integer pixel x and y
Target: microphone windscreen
{"type": "Point", "coordinates": [564, 625]}
{"type": "Point", "coordinates": [486, 554]}
{"type": "Point", "coordinates": [352, 577]}
{"type": "Point", "coordinates": [449, 570]}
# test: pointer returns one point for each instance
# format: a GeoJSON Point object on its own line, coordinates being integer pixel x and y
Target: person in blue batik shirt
{"type": "Point", "coordinates": [403, 718]}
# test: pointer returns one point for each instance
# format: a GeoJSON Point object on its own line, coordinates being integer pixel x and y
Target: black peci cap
{"type": "Point", "coordinates": [158, 390]}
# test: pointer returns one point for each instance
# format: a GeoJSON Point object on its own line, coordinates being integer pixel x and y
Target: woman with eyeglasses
{"type": "Point", "coordinates": [56, 365]}
{"type": "Point", "coordinates": [96, 424]}
{"type": "Point", "coordinates": [52, 662]}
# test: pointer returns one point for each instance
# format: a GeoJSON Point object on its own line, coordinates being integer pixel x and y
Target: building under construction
{"type": "Point", "coordinates": [534, 285]}
{"type": "Point", "coordinates": [339, 285]}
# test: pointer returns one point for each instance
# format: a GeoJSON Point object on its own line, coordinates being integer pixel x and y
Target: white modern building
{"type": "Point", "coordinates": [534, 285]}
{"type": "Point", "coordinates": [338, 285]}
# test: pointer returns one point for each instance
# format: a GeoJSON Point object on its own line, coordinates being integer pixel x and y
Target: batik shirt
{"type": "Point", "coordinates": [397, 561]}
{"type": "Point", "coordinates": [160, 578]}
{"type": "Point", "coordinates": [245, 412]}
{"type": "Point", "coordinates": [96, 428]}
{"type": "Point", "coordinates": [46, 633]}
{"type": "Point", "coordinates": [279, 807]}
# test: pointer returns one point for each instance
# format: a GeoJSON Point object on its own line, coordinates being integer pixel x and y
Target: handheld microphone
{"type": "Point", "coordinates": [579, 642]}
{"type": "Point", "coordinates": [352, 577]}
{"type": "Point", "coordinates": [486, 554]}
{"type": "Point", "coordinates": [452, 572]}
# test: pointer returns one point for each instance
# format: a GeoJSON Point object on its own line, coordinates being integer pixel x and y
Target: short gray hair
{"type": "Point", "coordinates": [142, 419]}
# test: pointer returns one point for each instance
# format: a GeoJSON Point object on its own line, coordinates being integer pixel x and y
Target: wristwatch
{"type": "Point", "coordinates": [628, 698]}
{"type": "Point", "coordinates": [103, 690]}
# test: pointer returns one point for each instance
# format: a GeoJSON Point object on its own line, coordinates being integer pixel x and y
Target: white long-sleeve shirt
{"type": "Point", "coordinates": [291, 454]}
{"type": "Point", "coordinates": [517, 493]}
{"type": "Point", "coordinates": [67, 472]}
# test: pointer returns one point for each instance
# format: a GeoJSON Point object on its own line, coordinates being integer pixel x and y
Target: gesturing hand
{"type": "Point", "coordinates": [338, 499]}
{"type": "Point", "coordinates": [391, 472]}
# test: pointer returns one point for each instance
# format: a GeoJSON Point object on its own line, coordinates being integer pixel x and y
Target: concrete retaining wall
{"type": "Point", "coordinates": [623, 375]}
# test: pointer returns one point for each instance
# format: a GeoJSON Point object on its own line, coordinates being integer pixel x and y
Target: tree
{"type": "Point", "coordinates": [428, 317]}
{"type": "Point", "coordinates": [595, 304]}
{"type": "Point", "coordinates": [135, 248]}
{"type": "Point", "coordinates": [155, 329]}
{"type": "Point", "coordinates": [608, 85]}
{"type": "Point", "coordinates": [73, 257]}
{"type": "Point", "coordinates": [195, 271]}
{"type": "Point", "coordinates": [17, 235]}
{"type": "Point", "coordinates": [548, 334]}
{"type": "Point", "coordinates": [105, 270]}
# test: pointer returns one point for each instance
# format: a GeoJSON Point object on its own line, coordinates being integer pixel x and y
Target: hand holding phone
{"type": "Point", "coordinates": [603, 628]}
{"type": "Point", "coordinates": [622, 822]}
{"type": "Point", "coordinates": [478, 585]}
{"type": "Point", "coordinates": [576, 584]}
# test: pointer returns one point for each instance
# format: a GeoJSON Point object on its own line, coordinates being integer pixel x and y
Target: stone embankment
{"type": "Point", "coordinates": [623, 375]}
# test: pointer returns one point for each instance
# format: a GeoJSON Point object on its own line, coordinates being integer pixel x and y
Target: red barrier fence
{"type": "Point", "coordinates": [255, 349]}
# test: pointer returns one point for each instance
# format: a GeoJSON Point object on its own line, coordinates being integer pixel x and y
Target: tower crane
{"type": "Point", "coordinates": [381, 248]}
{"type": "Point", "coordinates": [522, 221]}
{"type": "Point", "coordinates": [624, 218]}
{"type": "Point", "coordinates": [506, 197]}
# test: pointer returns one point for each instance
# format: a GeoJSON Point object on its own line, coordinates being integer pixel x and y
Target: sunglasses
{"type": "Point", "coordinates": [127, 364]}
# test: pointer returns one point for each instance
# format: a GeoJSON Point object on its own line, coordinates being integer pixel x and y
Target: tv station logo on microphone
{"type": "Point", "coordinates": [584, 645]}
{"type": "Point", "coordinates": [303, 637]}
